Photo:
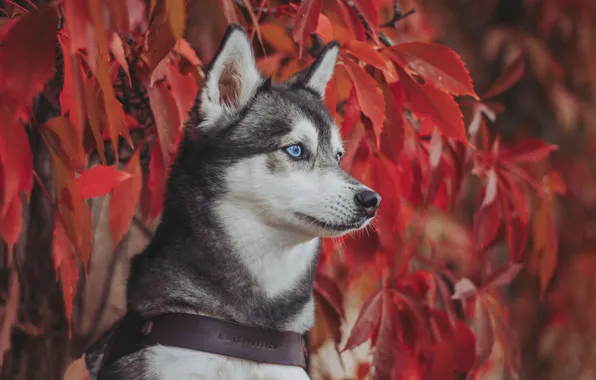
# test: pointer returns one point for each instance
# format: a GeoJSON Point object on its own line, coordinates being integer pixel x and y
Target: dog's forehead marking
{"type": "Point", "coordinates": [304, 130]}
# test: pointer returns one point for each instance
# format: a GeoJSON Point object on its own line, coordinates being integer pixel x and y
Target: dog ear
{"type": "Point", "coordinates": [232, 77]}
{"type": "Point", "coordinates": [317, 75]}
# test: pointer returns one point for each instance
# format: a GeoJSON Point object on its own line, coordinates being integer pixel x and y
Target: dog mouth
{"type": "Point", "coordinates": [334, 227]}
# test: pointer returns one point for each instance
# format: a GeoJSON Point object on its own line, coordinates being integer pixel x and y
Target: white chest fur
{"type": "Point", "coordinates": [169, 363]}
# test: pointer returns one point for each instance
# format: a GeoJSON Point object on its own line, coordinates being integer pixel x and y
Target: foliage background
{"type": "Point", "coordinates": [482, 258]}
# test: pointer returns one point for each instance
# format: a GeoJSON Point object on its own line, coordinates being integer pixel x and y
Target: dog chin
{"type": "Point", "coordinates": [334, 229]}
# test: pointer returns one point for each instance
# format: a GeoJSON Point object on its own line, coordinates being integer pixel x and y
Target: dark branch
{"type": "Point", "coordinates": [398, 15]}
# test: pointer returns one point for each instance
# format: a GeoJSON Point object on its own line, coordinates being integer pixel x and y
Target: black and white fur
{"type": "Point", "coordinates": [242, 220]}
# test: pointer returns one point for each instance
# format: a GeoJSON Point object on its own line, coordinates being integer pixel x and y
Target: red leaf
{"type": "Point", "coordinates": [100, 180]}
{"type": "Point", "coordinates": [352, 20]}
{"type": "Point", "coordinates": [426, 101]}
{"type": "Point", "coordinates": [327, 288]}
{"type": "Point", "coordinates": [25, 69]}
{"type": "Point", "coordinates": [511, 75]}
{"type": "Point", "coordinates": [508, 339]}
{"type": "Point", "coordinates": [485, 338]}
{"type": "Point", "coordinates": [11, 222]}
{"type": "Point", "coordinates": [306, 21]}
{"type": "Point", "coordinates": [367, 322]}
{"type": "Point", "coordinates": [369, 95]}
{"type": "Point", "coordinates": [167, 117]}
{"type": "Point", "coordinates": [463, 289]}
{"type": "Point", "coordinates": [440, 66]}
{"type": "Point", "coordinates": [352, 113]}
{"type": "Point", "coordinates": [527, 151]}
{"type": "Point", "coordinates": [503, 276]}
{"type": "Point", "coordinates": [487, 221]}
{"type": "Point", "coordinates": [71, 102]}
{"type": "Point", "coordinates": [125, 197]}
{"type": "Point", "coordinates": [370, 12]}
{"type": "Point", "coordinates": [16, 163]}
{"type": "Point", "coordinates": [118, 50]}
{"type": "Point", "coordinates": [324, 28]}
{"type": "Point", "coordinates": [490, 189]}
{"type": "Point", "coordinates": [366, 53]}
{"type": "Point", "coordinates": [184, 91]}
{"type": "Point", "coordinates": [65, 262]}
{"type": "Point", "coordinates": [392, 136]}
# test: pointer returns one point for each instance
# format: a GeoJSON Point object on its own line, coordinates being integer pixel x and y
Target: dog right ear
{"type": "Point", "coordinates": [232, 77]}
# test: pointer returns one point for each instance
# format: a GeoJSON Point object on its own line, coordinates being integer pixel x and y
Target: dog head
{"type": "Point", "coordinates": [273, 148]}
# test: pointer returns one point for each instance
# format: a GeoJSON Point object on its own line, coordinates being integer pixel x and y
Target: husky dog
{"type": "Point", "coordinates": [255, 185]}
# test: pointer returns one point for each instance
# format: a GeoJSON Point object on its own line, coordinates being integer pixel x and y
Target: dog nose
{"type": "Point", "coordinates": [369, 200]}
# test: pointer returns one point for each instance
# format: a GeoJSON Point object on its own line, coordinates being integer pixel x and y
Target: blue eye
{"type": "Point", "coordinates": [295, 150]}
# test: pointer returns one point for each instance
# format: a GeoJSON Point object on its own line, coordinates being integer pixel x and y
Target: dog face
{"type": "Point", "coordinates": [280, 145]}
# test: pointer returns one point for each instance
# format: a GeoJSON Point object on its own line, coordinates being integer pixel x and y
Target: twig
{"type": "Point", "coordinates": [382, 36]}
{"type": "Point", "coordinates": [398, 15]}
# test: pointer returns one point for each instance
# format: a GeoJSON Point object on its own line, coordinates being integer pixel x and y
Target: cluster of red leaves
{"type": "Point", "coordinates": [397, 105]}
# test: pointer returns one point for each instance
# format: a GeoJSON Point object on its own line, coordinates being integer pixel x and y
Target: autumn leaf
{"type": "Point", "coordinates": [370, 12]}
{"type": "Point", "coordinates": [324, 28]}
{"type": "Point", "coordinates": [503, 275]}
{"type": "Point", "coordinates": [428, 102]}
{"type": "Point", "coordinates": [545, 239]}
{"type": "Point", "coordinates": [100, 180]}
{"type": "Point", "coordinates": [69, 139]}
{"type": "Point", "coordinates": [485, 338]}
{"type": "Point", "coordinates": [125, 198]}
{"type": "Point", "coordinates": [508, 78]}
{"type": "Point", "coordinates": [366, 53]}
{"type": "Point", "coordinates": [370, 97]}
{"type": "Point", "coordinates": [440, 66]}
{"type": "Point", "coordinates": [464, 288]}
{"type": "Point", "coordinates": [366, 322]}
{"type": "Point", "coordinates": [167, 117]}
{"type": "Point", "coordinates": [25, 70]}
{"type": "Point", "coordinates": [351, 20]}
{"type": "Point", "coordinates": [306, 22]}
{"type": "Point", "coordinates": [527, 151]}
{"type": "Point", "coordinates": [275, 35]}
{"type": "Point", "coordinates": [176, 11]}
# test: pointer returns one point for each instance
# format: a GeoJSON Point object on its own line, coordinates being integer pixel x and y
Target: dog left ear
{"type": "Point", "coordinates": [317, 75]}
{"type": "Point", "coordinates": [232, 78]}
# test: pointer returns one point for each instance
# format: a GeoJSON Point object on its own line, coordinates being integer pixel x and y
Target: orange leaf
{"type": "Point", "coordinates": [71, 102]}
{"type": "Point", "coordinates": [545, 239]}
{"type": "Point", "coordinates": [369, 94]}
{"type": "Point", "coordinates": [366, 53]}
{"type": "Point", "coordinates": [276, 36]}
{"type": "Point", "coordinates": [64, 260]}
{"type": "Point", "coordinates": [100, 180]}
{"type": "Point", "coordinates": [324, 28]}
{"type": "Point", "coordinates": [74, 211]}
{"type": "Point", "coordinates": [183, 48]}
{"type": "Point", "coordinates": [69, 140]}
{"type": "Point", "coordinates": [440, 66]}
{"type": "Point", "coordinates": [125, 197]}
{"type": "Point", "coordinates": [428, 102]}
{"type": "Point", "coordinates": [176, 11]}
{"type": "Point", "coordinates": [117, 49]}
{"type": "Point", "coordinates": [27, 58]}
{"type": "Point", "coordinates": [93, 117]}
{"type": "Point", "coordinates": [306, 22]}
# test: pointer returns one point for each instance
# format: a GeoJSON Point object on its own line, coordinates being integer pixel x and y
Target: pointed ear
{"type": "Point", "coordinates": [317, 75]}
{"type": "Point", "coordinates": [232, 77]}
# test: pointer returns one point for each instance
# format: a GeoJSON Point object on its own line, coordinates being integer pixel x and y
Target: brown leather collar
{"type": "Point", "coordinates": [205, 334]}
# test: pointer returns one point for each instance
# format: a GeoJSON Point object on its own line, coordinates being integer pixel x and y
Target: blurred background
{"type": "Point", "coordinates": [73, 96]}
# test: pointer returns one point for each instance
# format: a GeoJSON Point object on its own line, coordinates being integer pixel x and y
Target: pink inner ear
{"type": "Point", "coordinates": [229, 85]}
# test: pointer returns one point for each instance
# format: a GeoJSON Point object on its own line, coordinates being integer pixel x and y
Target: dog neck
{"type": "Point", "coordinates": [227, 262]}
